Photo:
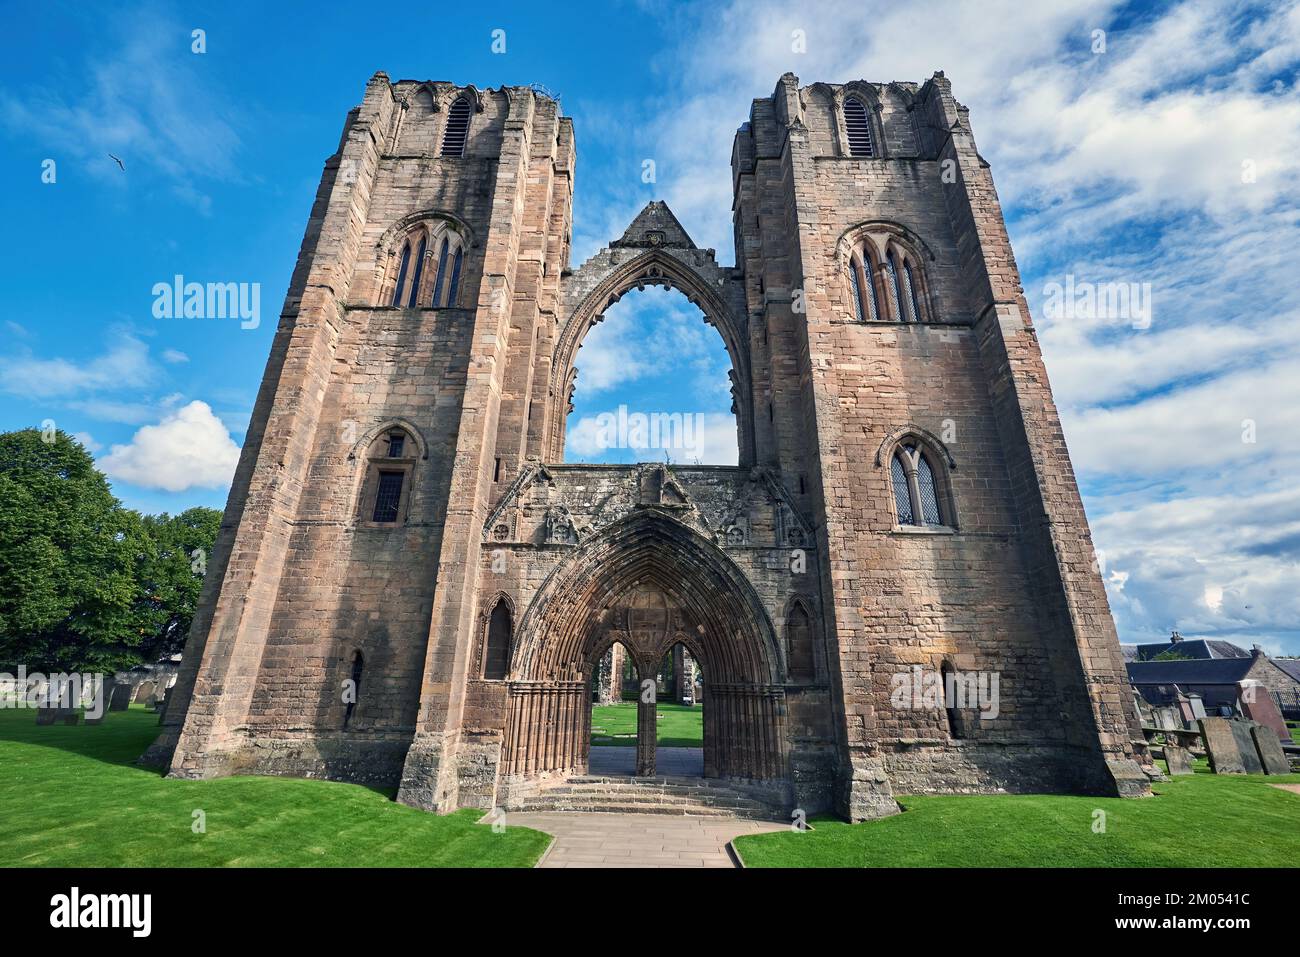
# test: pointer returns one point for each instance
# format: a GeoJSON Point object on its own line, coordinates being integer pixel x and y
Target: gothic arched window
{"type": "Point", "coordinates": [886, 281]}
{"type": "Point", "coordinates": [411, 299]}
{"type": "Point", "coordinates": [857, 126]}
{"type": "Point", "coordinates": [496, 654]}
{"type": "Point", "coordinates": [453, 290]}
{"type": "Point", "coordinates": [950, 702]}
{"type": "Point", "coordinates": [896, 299]}
{"type": "Point", "coordinates": [354, 695]}
{"type": "Point", "coordinates": [862, 277]}
{"type": "Point", "coordinates": [451, 257]}
{"type": "Point", "coordinates": [389, 464]}
{"type": "Point", "coordinates": [799, 645]}
{"type": "Point", "coordinates": [916, 489]}
{"type": "Point", "coordinates": [457, 132]}
{"type": "Point", "coordinates": [402, 270]}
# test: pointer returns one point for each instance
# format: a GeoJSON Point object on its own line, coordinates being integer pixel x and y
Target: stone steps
{"type": "Point", "coordinates": [685, 797]}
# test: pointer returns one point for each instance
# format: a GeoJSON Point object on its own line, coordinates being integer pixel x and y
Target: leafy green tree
{"type": "Point", "coordinates": [170, 575]}
{"type": "Point", "coordinates": [66, 570]}
{"type": "Point", "coordinates": [86, 585]}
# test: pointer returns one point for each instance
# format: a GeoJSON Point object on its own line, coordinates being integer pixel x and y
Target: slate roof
{"type": "Point", "coordinates": [1290, 665]}
{"type": "Point", "coordinates": [1198, 671]}
{"type": "Point", "coordinates": [1188, 647]}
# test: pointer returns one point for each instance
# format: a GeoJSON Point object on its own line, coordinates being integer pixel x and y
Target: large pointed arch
{"type": "Point", "coordinates": [559, 632]}
{"type": "Point", "coordinates": [712, 609]}
{"type": "Point", "coordinates": [655, 251]}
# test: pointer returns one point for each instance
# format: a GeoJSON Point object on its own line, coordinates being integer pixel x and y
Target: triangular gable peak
{"type": "Point", "coordinates": [654, 227]}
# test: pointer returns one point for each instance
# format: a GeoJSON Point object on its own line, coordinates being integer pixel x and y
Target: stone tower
{"type": "Point", "coordinates": [411, 588]}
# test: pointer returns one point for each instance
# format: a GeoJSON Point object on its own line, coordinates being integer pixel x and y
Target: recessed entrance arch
{"type": "Point", "coordinates": [647, 583]}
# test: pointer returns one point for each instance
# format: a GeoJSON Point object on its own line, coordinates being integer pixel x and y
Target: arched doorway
{"type": "Point", "coordinates": [648, 583]}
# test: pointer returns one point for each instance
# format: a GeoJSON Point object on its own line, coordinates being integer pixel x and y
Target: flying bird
{"type": "Point", "coordinates": [117, 161]}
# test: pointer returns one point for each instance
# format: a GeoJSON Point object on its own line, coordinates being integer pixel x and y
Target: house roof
{"type": "Point", "coordinates": [1290, 665]}
{"type": "Point", "coordinates": [1188, 648]}
{"type": "Point", "coordinates": [1197, 671]}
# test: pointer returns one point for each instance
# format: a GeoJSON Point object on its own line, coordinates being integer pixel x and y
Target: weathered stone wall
{"type": "Point", "coordinates": [976, 594]}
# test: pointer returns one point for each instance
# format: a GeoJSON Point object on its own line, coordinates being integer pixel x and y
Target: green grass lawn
{"type": "Point", "coordinates": [70, 797]}
{"type": "Point", "coordinates": [678, 725]}
{"type": "Point", "coordinates": [1200, 820]}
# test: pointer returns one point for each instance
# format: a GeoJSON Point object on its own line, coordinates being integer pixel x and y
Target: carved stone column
{"type": "Point", "coordinates": [646, 731]}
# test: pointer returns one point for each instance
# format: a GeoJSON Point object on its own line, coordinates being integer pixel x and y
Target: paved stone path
{"type": "Point", "coordinates": [637, 840]}
{"type": "Point", "coordinates": [669, 762]}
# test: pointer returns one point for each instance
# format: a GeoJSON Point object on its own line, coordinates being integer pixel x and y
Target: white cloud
{"type": "Point", "coordinates": [189, 448]}
{"type": "Point", "coordinates": [1124, 166]}
{"type": "Point", "coordinates": [125, 364]}
{"type": "Point", "coordinates": [88, 441]}
{"type": "Point", "coordinates": [174, 356]}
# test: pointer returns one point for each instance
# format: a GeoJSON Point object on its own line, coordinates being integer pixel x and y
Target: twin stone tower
{"type": "Point", "coordinates": [411, 588]}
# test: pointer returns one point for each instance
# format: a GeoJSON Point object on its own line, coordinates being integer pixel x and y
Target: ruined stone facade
{"type": "Point", "coordinates": [402, 523]}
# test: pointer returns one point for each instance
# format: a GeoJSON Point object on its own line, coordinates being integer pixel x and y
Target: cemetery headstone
{"type": "Point", "coordinates": [1258, 705]}
{"type": "Point", "coordinates": [1270, 750]}
{"type": "Point", "coordinates": [1241, 731]}
{"type": "Point", "coordinates": [1221, 746]}
{"type": "Point", "coordinates": [1179, 760]}
{"type": "Point", "coordinates": [121, 696]}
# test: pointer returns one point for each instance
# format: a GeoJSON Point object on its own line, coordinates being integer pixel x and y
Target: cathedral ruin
{"type": "Point", "coordinates": [412, 589]}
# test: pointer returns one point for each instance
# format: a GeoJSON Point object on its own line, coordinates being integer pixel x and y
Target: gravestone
{"type": "Point", "coordinates": [1270, 750]}
{"type": "Point", "coordinates": [1258, 705]}
{"type": "Point", "coordinates": [1241, 731]}
{"type": "Point", "coordinates": [1221, 746]}
{"type": "Point", "coordinates": [69, 715]}
{"type": "Point", "coordinates": [46, 715]}
{"type": "Point", "coordinates": [1178, 760]}
{"type": "Point", "coordinates": [121, 696]}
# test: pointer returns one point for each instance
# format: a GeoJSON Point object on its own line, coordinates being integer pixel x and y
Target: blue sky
{"type": "Point", "coordinates": [1165, 157]}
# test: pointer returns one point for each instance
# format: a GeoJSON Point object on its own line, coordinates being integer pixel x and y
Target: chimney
{"type": "Point", "coordinates": [1175, 637]}
{"type": "Point", "coordinates": [1257, 652]}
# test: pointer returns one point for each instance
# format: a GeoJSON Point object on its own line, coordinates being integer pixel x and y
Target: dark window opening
{"type": "Point", "coordinates": [929, 498]}
{"type": "Point", "coordinates": [496, 658]}
{"type": "Point", "coordinates": [949, 676]}
{"type": "Point", "coordinates": [858, 127]}
{"type": "Point", "coordinates": [388, 497]}
{"type": "Point", "coordinates": [454, 290]}
{"type": "Point", "coordinates": [441, 277]}
{"type": "Point", "coordinates": [453, 141]}
{"type": "Point", "coordinates": [412, 300]}
{"type": "Point", "coordinates": [396, 443]}
{"type": "Point", "coordinates": [902, 495]}
{"type": "Point", "coordinates": [358, 663]}
{"type": "Point", "coordinates": [799, 645]}
{"type": "Point", "coordinates": [401, 275]}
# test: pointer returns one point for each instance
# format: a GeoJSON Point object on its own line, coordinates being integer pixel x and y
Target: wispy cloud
{"type": "Point", "coordinates": [125, 364]}
{"type": "Point", "coordinates": [147, 99]}
{"type": "Point", "coordinates": [1172, 158]}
